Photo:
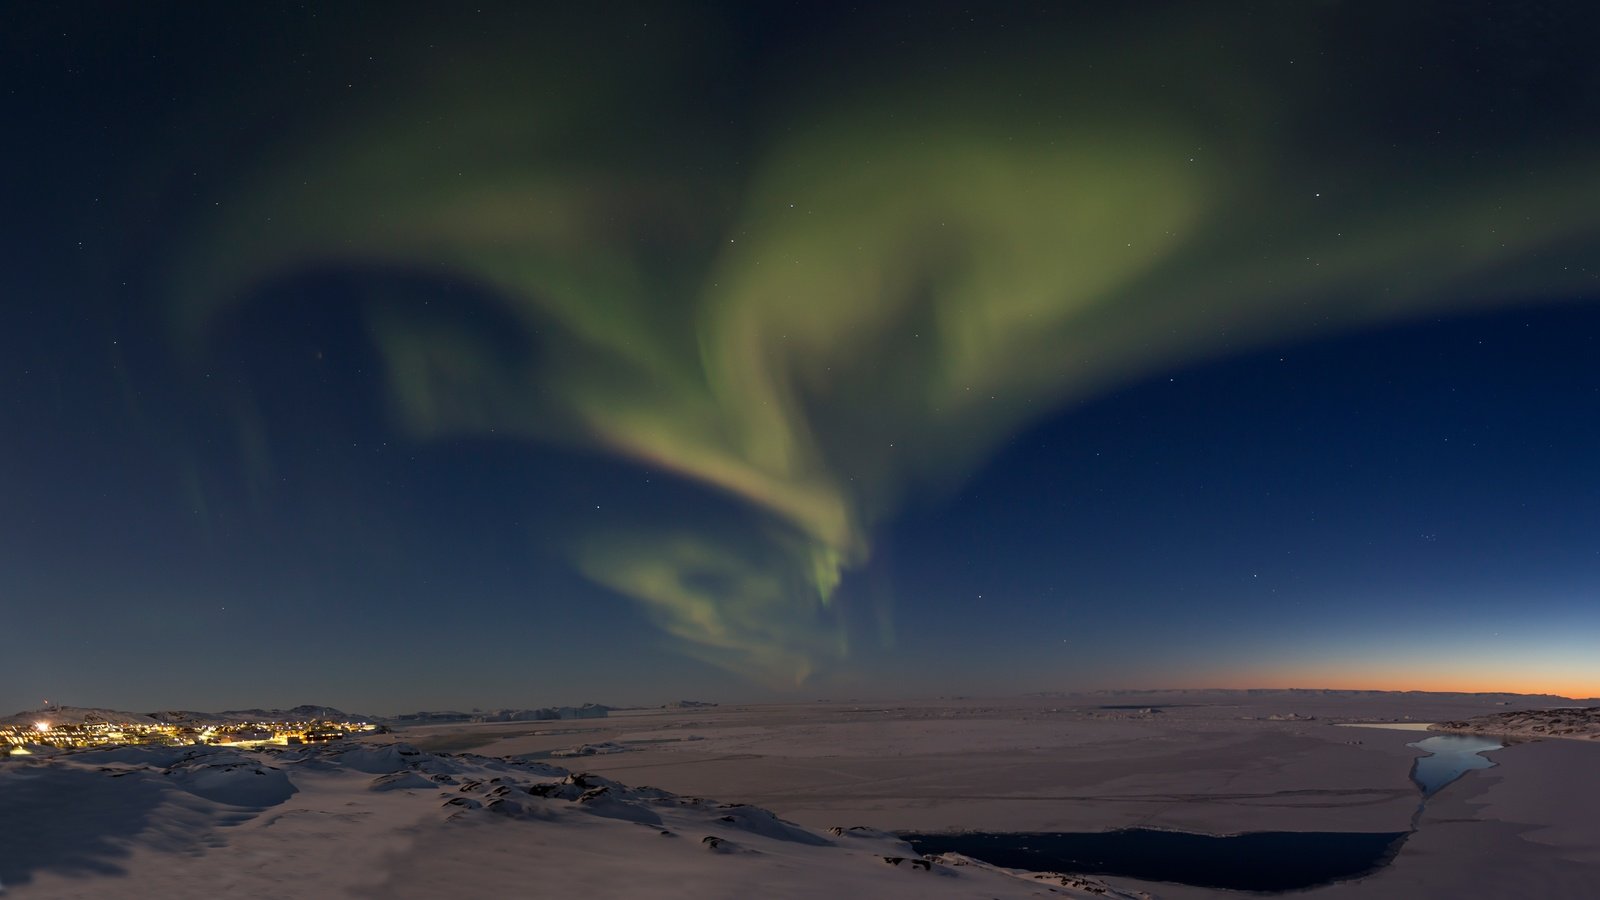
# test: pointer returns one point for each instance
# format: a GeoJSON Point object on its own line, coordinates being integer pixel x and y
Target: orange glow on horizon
{"type": "Point", "coordinates": [1580, 687]}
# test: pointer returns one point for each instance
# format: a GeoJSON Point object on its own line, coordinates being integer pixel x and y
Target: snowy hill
{"type": "Point", "coordinates": [544, 713]}
{"type": "Point", "coordinates": [302, 713]}
{"type": "Point", "coordinates": [75, 715]}
{"type": "Point", "coordinates": [360, 819]}
{"type": "Point", "coordinates": [1575, 722]}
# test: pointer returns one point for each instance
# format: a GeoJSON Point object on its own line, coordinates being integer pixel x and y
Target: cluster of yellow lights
{"type": "Point", "coordinates": [113, 734]}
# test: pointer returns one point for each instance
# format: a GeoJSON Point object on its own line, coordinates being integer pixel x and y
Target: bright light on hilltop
{"type": "Point", "coordinates": [42, 726]}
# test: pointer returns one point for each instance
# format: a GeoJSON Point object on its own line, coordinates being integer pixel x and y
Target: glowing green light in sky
{"type": "Point", "coordinates": [890, 283]}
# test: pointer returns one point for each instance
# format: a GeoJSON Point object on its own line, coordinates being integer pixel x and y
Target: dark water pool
{"type": "Point", "coordinates": [1258, 861]}
{"type": "Point", "coordinates": [1453, 755]}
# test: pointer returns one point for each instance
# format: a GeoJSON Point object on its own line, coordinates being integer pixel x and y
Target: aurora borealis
{"type": "Point", "coordinates": [801, 278]}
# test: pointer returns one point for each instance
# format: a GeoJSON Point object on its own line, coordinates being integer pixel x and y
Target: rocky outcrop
{"type": "Point", "coordinates": [1574, 723]}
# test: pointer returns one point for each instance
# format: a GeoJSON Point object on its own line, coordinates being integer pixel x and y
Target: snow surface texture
{"type": "Point", "coordinates": [356, 820]}
{"type": "Point", "coordinates": [1572, 722]}
{"type": "Point", "coordinates": [1212, 762]}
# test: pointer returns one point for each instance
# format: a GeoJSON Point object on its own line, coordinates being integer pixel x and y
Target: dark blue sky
{"type": "Point", "coordinates": [515, 358]}
{"type": "Point", "coordinates": [1412, 496]}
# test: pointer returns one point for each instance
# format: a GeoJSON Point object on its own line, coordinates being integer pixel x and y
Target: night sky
{"type": "Point", "coordinates": [513, 354]}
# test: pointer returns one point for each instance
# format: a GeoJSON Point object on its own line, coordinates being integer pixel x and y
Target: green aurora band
{"type": "Point", "coordinates": [867, 286]}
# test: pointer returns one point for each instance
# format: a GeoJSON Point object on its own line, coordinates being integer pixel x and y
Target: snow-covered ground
{"type": "Point", "coordinates": [390, 821]}
{"type": "Point", "coordinates": [385, 820]}
{"type": "Point", "coordinates": [1210, 762]}
{"type": "Point", "coordinates": [1579, 723]}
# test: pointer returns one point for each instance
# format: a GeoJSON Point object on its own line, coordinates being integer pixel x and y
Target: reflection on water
{"type": "Point", "coordinates": [1453, 755]}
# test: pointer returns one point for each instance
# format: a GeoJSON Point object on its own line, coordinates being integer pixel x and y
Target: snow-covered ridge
{"type": "Point", "coordinates": [358, 817]}
{"type": "Point", "coordinates": [540, 714]}
{"type": "Point", "coordinates": [1575, 722]}
{"type": "Point", "coordinates": [77, 715]}
{"type": "Point", "coordinates": [304, 713]}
